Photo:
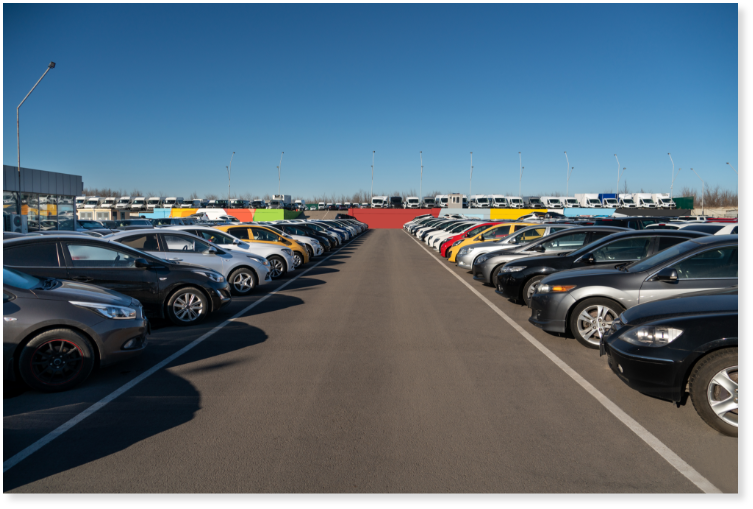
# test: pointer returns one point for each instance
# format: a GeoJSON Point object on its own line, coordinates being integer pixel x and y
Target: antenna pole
{"type": "Point", "coordinates": [279, 172]}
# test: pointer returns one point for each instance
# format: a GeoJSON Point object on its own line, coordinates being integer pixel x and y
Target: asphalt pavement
{"type": "Point", "coordinates": [375, 371]}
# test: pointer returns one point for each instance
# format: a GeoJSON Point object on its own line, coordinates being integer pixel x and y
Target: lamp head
{"type": "Point", "coordinates": [52, 65]}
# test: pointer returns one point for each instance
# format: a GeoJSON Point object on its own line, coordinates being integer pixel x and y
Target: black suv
{"type": "Point", "coordinates": [184, 293]}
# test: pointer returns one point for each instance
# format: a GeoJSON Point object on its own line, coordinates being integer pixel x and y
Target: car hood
{"type": "Point", "coordinates": [583, 272]}
{"type": "Point", "coordinates": [696, 303]}
{"type": "Point", "coordinates": [70, 290]}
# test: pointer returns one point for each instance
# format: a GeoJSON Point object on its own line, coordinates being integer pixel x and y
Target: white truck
{"type": "Point", "coordinates": [552, 202]}
{"type": "Point", "coordinates": [569, 202]}
{"type": "Point", "coordinates": [412, 202]}
{"type": "Point", "coordinates": [108, 202]}
{"type": "Point", "coordinates": [322, 205]}
{"type": "Point", "coordinates": [643, 200]}
{"type": "Point", "coordinates": [280, 201]}
{"type": "Point", "coordinates": [441, 201]}
{"type": "Point", "coordinates": [379, 202]}
{"type": "Point", "coordinates": [154, 202]}
{"type": "Point", "coordinates": [173, 202]}
{"type": "Point", "coordinates": [124, 203]}
{"type": "Point", "coordinates": [92, 202]}
{"type": "Point", "coordinates": [626, 201]}
{"type": "Point", "coordinates": [663, 201]}
{"type": "Point", "coordinates": [479, 201]}
{"type": "Point", "coordinates": [589, 201]}
{"type": "Point", "coordinates": [138, 204]}
{"type": "Point", "coordinates": [80, 201]}
{"type": "Point", "coordinates": [497, 201]}
{"type": "Point", "coordinates": [515, 202]}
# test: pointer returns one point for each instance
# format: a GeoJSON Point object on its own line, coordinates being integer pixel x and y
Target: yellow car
{"type": "Point", "coordinates": [492, 233]}
{"type": "Point", "coordinates": [260, 233]}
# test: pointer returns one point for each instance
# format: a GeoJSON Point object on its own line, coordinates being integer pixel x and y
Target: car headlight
{"type": "Point", "coordinates": [108, 311]}
{"type": "Point", "coordinates": [260, 260]}
{"type": "Point", "coordinates": [553, 288]}
{"type": "Point", "coordinates": [457, 242]}
{"type": "Point", "coordinates": [652, 336]}
{"type": "Point", "coordinates": [463, 250]}
{"type": "Point", "coordinates": [213, 276]}
{"type": "Point", "coordinates": [480, 259]}
{"type": "Point", "coordinates": [315, 242]}
{"type": "Point", "coordinates": [514, 268]}
{"type": "Point", "coordinates": [287, 251]}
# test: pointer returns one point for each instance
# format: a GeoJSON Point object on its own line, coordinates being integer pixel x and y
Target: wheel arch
{"type": "Point", "coordinates": [40, 330]}
{"type": "Point", "coordinates": [182, 286]}
{"type": "Point", "coordinates": [575, 304]}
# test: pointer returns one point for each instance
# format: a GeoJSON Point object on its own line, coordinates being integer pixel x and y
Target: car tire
{"type": "Point", "coordinates": [310, 250]}
{"type": "Point", "coordinates": [56, 360]}
{"type": "Point", "coordinates": [530, 288]}
{"type": "Point", "coordinates": [187, 306]}
{"type": "Point", "coordinates": [493, 279]}
{"type": "Point", "coordinates": [297, 259]}
{"type": "Point", "coordinates": [276, 266]}
{"type": "Point", "coordinates": [709, 396]}
{"type": "Point", "coordinates": [596, 308]}
{"type": "Point", "coordinates": [242, 281]}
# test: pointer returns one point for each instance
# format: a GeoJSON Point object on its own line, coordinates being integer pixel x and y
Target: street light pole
{"type": "Point", "coordinates": [569, 172]}
{"type": "Point", "coordinates": [673, 180]}
{"type": "Point", "coordinates": [278, 173]}
{"type": "Point", "coordinates": [373, 153]}
{"type": "Point", "coordinates": [51, 65]}
{"type": "Point", "coordinates": [672, 187]}
{"type": "Point", "coordinates": [420, 182]}
{"type": "Point", "coordinates": [703, 189]}
{"type": "Point", "coordinates": [733, 168]}
{"type": "Point", "coordinates": [229, 169]}
{"type": "Point", "coordinates": [520, 180]}
{"type": "Point", "coordinates": [470, 188]}
{"type": "Point", "coordinates": [618, 177]}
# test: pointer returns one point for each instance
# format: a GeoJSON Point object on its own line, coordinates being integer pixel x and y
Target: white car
{"type": "Point", "coordinates": [698, 226]}
{"type": "Point", "coordinates": [243, 272]}
{"type": "Point", "coordinates": [280, 258]}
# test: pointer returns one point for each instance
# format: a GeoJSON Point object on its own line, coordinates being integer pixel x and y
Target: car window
{"type": "Point", "coordinates": [599, 235]}
{"type": "Point", "coordinates": [38, 254]}
{"type": "Point", "coordinates": [710, 264]}
{"type": "Point", "coordinates": [623, 250]}
{"type": "Point", "coordinates": [143, 242]}
{"type": "Point", "coordinates": [88, 256]}
{"type": "Point", "coordinates": [531, 235]}
{"type": "Point", "coordinates": [215, 237]}
{"type": "Point", "coordinates": [666, 242]}
{"type": "Point", "coordinates": [239, 233]}
{"type": "Point", "coordinates": [734, 230]}
{"type": "Point", "coordinates": [706, 228]}
{"type": "Point", "coordinates": [565, 242]}
{"type": "Point", "coordinates": [497, 232]}
{"type": "Point", "coordinates": [260, 234]}
{"type": "Point", "coordinates": [185, 244]}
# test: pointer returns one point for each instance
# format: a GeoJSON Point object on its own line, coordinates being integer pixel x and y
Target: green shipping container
{"type": "Point", "coordinates": [686, 202]}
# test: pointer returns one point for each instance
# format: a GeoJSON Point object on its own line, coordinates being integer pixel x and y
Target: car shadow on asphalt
{"type": "Point", "coordinates": [156, 405]}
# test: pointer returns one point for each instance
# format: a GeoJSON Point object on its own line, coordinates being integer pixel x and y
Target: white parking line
{"type": "Point", "coordinates": [657, 445]}
{"type": "Point", "coordinates": [14, 460]}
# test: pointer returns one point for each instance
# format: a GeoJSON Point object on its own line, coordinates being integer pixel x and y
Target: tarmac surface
{"type": "Point", "coordinates": [376, 371]}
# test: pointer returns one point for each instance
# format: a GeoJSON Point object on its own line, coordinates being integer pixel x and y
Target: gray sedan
{"type": "Point", "coordinates": [587, 301]}
{"type": "Point", "coordinates": [486, 267]}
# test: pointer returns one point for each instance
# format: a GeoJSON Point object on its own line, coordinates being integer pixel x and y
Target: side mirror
{"type": "Point", "coordinates": [666, 274]}
{"type": "Point", "coordinates": [142, 263]}
{"type": "Point", "coordinates": [236, 241]}
{"type": "Point", "coordinates": [212, 250]}
{"type": "Point", "coordinates": [539, 248]}
{"type": "Point", "coordinates": [589, 258]}
{"type": "Point", "coordinates": [481, 238]}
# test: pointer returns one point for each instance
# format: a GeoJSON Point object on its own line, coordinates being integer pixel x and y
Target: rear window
{"type": "Point", "coordinates": [37, 254]}
{"type": "Point", "coordinates": [143, 242]}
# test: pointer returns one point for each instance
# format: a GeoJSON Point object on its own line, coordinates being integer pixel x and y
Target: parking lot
{"type": "Point", "coordinates": [375, 369]}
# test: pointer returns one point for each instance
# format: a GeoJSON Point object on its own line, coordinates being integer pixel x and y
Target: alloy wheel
{"type": "Point", "coordinates": [188, 307]}
{"type": "Point", "coordinates": [594, 321]}
{"type": "Point", "coordinates": [275, 267]}
{"type": "Point", "coordinates": [722, 395]}
{"type": "Point", "coordinates": [57, 362]}
{"type": "Point", "coordinates": [243, 282]}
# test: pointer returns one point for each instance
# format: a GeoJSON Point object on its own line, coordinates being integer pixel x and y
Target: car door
{"type": "Point", "coordinates": [709, 269]}
{"type": "Point", "coordinates": [105, 265]}
{"type": "Point", "coordinates": [190, 249]}
{"type": "Point", "coordinates": [38, 259]}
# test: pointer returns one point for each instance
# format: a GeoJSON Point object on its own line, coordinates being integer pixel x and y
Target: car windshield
{"type": "Point", "coordinates": [662, 257]}
{"type": "Point", "coordinates": [19, 279]}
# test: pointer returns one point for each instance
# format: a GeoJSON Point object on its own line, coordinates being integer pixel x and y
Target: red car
{"type": "Point", "coordinates": [447, 244]}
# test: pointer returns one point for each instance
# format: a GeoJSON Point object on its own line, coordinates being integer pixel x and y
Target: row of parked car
{"type": "Point", "coordinates": [657, 297]}
{"type": "Point", "coordinates": [73, 301]}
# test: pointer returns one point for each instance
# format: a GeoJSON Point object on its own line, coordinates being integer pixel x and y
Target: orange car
{"type": "Point", "coordinates": [259, 233]}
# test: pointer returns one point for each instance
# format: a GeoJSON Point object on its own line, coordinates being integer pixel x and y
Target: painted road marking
{"type": "Point", "coordinates": [657, 445]}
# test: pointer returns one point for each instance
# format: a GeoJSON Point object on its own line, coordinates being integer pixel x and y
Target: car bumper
{"type": "Point", "coordinates": [114, 335]}
{"type": "Point", "coordinates": [549, 311]}
{"type": "Point", "coordinates": [509, 286]}
{"type": "Point", "coordinates": [641, 369]}
{"type": "Point", "coordinates": [220, 295]}
{"type": "Point", "coordinates": [482, 272]}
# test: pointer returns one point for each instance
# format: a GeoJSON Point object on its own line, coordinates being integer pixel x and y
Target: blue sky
{"type": "Point", "coordinates": [158, 96]}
